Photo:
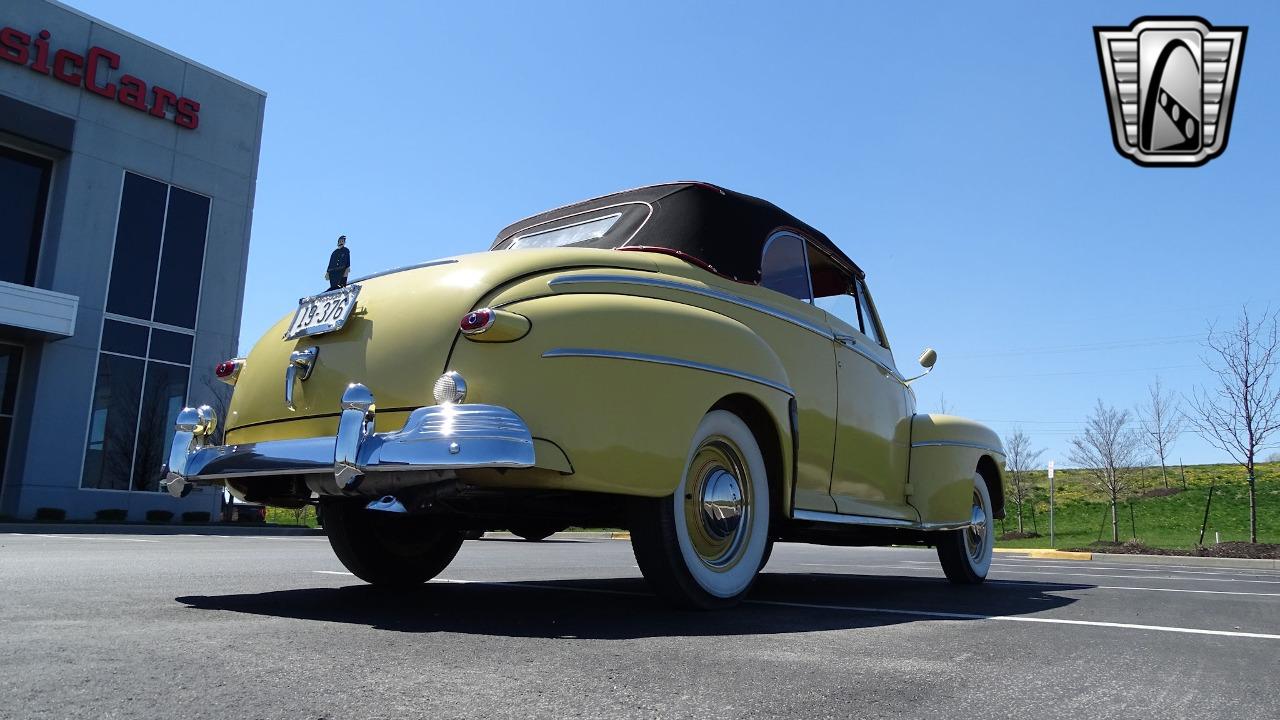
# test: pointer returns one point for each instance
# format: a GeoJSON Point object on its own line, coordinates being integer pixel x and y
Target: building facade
{"type": "Point", "coordinates": [127, 178]}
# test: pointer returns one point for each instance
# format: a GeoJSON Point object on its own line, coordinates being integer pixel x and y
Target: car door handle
{"type": "Point", "coordinates": [846, 339]}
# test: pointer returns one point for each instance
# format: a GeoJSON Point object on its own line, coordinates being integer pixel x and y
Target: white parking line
{"type": "Point", "coordinates": [1018, 618]}
{"type": "Point", "coordinates": [882, 611]}
{"type": "Point", "coordinates": [926, 566]}
{"type": "Point", "coordinates": [1046, 584]}
{"type": "Point", "coordinates": [1151, 567]}
{"type": "Point", "coordinates": [1109, 566]}
{"type": "Point", "coordinates": [93, 537]}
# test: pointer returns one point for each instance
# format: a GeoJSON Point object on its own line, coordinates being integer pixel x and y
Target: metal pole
{"type": "Point", "coordinates": [1051, 541]}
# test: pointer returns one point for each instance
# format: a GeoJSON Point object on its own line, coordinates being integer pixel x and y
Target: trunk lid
{"type": "Point", "coordinates": [398, 338]}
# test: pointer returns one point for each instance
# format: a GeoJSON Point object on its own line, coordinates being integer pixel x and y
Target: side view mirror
{"type": "Point", "coordinates": [928, 359]}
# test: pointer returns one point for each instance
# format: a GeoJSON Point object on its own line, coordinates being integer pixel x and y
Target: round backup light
{"type": "Point", "coordinates": [477, 321]}
{"type": "Point", "coordinates": [450, 388]}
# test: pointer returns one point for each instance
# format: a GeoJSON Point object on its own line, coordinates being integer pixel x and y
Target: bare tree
{"type": "Point", "coordinates": [1161, 421]}
{"type": "Point", "coordinates": [943, 407]}
{"type": "Point", "coordinates": [1239, 414]}
{"type": "Point", "coordinates": [1019, 460]}
{"type": "Point", "coordinates": [1109, 451]}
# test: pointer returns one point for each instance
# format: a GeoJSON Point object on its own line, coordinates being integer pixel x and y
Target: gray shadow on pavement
{"type": "Point", "coordinates": [623, 608]}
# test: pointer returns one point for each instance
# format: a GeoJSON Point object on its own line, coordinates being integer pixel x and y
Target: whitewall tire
{"type": "Point", "coordinates": [966, 554]}
{"type": "Point", "coordinates": [703, 545]}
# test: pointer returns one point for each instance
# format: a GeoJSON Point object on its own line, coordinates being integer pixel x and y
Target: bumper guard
{"type": "Point", "coordinates": [437, 437]}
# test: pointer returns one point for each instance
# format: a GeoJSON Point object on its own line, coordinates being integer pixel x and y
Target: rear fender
{"type": "Point", "coordinates": [620, 383]}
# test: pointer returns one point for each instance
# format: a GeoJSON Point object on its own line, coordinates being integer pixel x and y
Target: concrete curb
{"type": "Point", "coordinates": [1047, 554]}
{"type": "Point", "coordinates": [23, 528]}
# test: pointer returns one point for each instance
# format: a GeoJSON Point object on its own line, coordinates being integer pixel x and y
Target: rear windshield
{"type": "Point", "coordinates": [576, 233]}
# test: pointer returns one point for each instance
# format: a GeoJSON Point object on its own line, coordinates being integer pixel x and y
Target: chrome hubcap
{"type": "Point", "coordinates": [721, 504]}
{"type": "Point", "coordinates": [718, 503]}
{"type": "Point", "coordinates": [975, 537]}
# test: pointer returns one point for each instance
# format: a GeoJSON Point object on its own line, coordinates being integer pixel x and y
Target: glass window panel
{"type": "Point", "coordinates": [137, 252]}
{"type": "Point", "coordinates": [579, 232]}
{"type": "Point", "coordinates": [783, 267]}
{"type": "Point", "coordinates": [10, 364]}
{"type": "Point", "coordinates": [24, 187]}
{"type": "Point", "coordinates": [108, 458]}
{"type": "Point", "coordinates": [124, 338]}
{"type": "Point", "coordinates": [833, 288]}
{"type": "Point", "coordinates": [871, 326]}
{"type": "Point", "coordinates": [162, 400]}
{"type": "Point", "coordinates": [171, 346]}
{"type": "Point", "coordinates": [178, 288]}
{"type": "Point", "coordinates": [5, 427]}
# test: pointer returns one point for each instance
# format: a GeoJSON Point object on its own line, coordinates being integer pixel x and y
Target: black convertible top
{"type": "Point", "coordinates": [721, 230]}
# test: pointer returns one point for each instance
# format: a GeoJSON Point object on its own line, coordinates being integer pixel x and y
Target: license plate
{"type": "Point", "coordinates": [323, 313]}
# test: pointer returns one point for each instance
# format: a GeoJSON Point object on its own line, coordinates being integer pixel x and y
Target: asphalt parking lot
{"type": "Point", "coordinates": [181, 626]}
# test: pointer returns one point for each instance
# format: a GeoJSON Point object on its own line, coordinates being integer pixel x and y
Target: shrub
{"type": "Point", "coordinates": [111, 515]}
{"type": "Point", "coordinates": [159, 515]}
{"type": "Point", "coordinates": [51, 514]}
{"type": "Point", "coordinates": [195, 516]}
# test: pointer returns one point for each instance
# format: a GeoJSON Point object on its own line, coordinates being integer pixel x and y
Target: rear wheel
{"type": "Point", "coordinates": [388, 549]}
{"type": "Point", "coordinates": [702, 546]}
{"type": "Point", "coordinates": [966, 554]}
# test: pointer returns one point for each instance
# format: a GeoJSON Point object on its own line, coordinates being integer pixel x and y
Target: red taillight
{"type": "Point", "coordinates": [228, 370]}
{"type": "Point", "coordinates": [476, 321]}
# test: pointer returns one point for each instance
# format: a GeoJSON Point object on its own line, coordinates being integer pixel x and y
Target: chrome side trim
{"type": "Point", "coordinates": [956, 443]}
{"type": "Point", "coordinates": [944, 526]}
{"type": "Point", "coordinates": [665, 360]}
{"type": "Point", "coordinates": [826, 517]}
{"type": "Point", "coordinates": [853, 344]}
{"type": "Point", "coordinates": [693, 290]}
{"type": "Point", "coordinates": [868, 521]}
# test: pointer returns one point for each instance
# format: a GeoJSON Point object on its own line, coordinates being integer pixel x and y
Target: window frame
{"type": "Point", "coordinates": [36, 261]}
{"type": "Point", "coordinates": [149, 324]}
{"type": "Point", "coordinates": [808, 274]}
{"type": "Point", "coordinates": [871, 313]}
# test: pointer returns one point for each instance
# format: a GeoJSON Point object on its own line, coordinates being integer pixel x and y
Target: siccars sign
{"type": "Point", "coordinates": [91, 70]}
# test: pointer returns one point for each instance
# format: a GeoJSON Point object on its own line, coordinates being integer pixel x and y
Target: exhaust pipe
{"type": "Point", "coordinates": [387, 503]}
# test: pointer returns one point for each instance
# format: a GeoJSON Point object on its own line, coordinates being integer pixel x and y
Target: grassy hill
{"type": "Point", "coordinates": [1172, 521]}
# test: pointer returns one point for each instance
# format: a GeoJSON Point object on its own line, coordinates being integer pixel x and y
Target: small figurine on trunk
{"type": "Point", "coordinates": [339, 265]}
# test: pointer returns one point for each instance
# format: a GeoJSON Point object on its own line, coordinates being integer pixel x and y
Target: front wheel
{"type": "Point", "coordinates": [966, 554]}
{"type": "Point", "coordinates": [702, 546]}
{"type": "Point", "coordinates": [388, 549]}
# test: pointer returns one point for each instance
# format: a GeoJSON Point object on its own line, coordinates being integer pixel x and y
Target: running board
{"type": "Point", "coordinates": [870, 521]}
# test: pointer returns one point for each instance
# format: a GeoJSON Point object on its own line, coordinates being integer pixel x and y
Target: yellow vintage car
{"type": "Point", "coordinates": [687, 362]}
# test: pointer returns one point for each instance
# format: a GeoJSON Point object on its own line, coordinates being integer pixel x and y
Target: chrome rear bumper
{"type": "Point", "coordinates": [438, 437]}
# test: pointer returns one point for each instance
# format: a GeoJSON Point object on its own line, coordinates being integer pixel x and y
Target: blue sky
{"type": "Point", "coordinates": [960, 153]}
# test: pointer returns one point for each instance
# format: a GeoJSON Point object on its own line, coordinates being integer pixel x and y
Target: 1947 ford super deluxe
{"type": "Point", "coordinates": [690, 363]}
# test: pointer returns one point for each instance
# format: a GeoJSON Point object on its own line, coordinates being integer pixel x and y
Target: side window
{"type": "Point", "coordinates": [783, 267]}
{"type": "Point", "coordinates": [871, 322]}
{"type": "Point", "coordinates": [833, 288]}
